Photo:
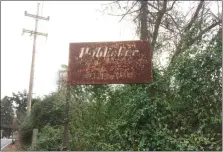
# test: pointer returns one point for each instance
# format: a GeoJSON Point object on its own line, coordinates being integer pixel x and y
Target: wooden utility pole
{"type": "Point", "coordinates": [34, 33]}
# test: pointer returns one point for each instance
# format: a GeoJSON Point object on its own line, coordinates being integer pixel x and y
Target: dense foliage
{"type": "Point", "coordinates": [179, 110]}
{"type": "Point", "coordinates": [20, 100]}
{"type": "Point", "coordinates": [182, 113]}
{"type": "Point", "coordinates": [7, 116]}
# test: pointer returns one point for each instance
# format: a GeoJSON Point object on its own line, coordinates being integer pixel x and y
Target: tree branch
{"type": "Point", "coordinates": [124, 13]}
{"type": "Point", "coordinates": [148, 12]}
{"type": "Point", "coordinates": [129, 11]}
{"type": "Point", "coordinates": [216, 36]}
{"type": "Point", "coordinates": [204, 31]}
{"type": "Point", "coordinates": [171, 30]}
{"type": "Point", "coordinates": [216, 17]}
{"type": "Point", "coordinates": [195, 15]}
{"type": "Point", "coordinates": [136, 17]}
{"type": "Point", "coordinates": [178, 27]}
{"type": "Point", "coordinates": [182, 47]}
{"type": "Point", "coordinates": [160, 15]}
{"type": "Point", "coordinates": [117, 2]}
{"type": "Point", "coordinates": [171, 6]}
{"type": "Point", "coordinates": [153, 6]}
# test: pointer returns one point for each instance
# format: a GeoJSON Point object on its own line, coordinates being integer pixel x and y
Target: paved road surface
{"type": "Point", "coordinates": [5, 142]}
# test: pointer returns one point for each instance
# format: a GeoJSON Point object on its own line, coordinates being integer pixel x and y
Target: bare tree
{"type": "Point", "coordinates": [168, 26]}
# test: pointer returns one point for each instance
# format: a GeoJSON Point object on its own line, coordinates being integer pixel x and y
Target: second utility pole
{"type": "Point", "coordinates": [34, 33]}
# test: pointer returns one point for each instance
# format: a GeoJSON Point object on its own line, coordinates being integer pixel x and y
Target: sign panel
{"type": "Point", "coordinates": [120, 62]}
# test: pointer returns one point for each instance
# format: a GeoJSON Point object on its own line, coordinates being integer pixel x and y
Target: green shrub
{"type": "Point", "coordinates": [50, 138]}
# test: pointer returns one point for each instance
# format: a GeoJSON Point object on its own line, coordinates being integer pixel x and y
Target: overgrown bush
{"type": "Point", "coordinates": [50, 138]}
{"type": "Point", "coordinates": [179, 110]}
{"type": "Point", "coordinates": [46, 112]}
{"type": "Point", "coordinates": [25, 132]}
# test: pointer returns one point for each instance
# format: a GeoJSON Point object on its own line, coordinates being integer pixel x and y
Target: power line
{"type": "Point", "coordinates": [34, 34]}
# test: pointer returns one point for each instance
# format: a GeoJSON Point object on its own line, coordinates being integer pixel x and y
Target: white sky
{"type": "Point", "coordinates": [69, 22]}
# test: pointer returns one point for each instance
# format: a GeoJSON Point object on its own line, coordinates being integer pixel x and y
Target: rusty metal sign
{"type": "Point", "coordinates": [120, 62]}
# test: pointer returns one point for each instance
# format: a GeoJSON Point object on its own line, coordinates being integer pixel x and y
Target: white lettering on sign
{"type": "Point", "coordinates": [83, 51]}
{"type": "Point", "coordinates": [106, 52]}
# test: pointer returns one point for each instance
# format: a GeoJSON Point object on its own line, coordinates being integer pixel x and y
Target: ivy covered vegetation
{"type": "Point", "coordinates": [179, 110]}
{"type": "Point", "coordinates": [183, 113]}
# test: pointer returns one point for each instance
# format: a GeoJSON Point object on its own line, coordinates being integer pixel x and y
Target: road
{"type": "Point", "coordinates": [5, 142]}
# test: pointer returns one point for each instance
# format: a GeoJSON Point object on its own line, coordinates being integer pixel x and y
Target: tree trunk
{"type": "Point", "coordinates": [144, 35]}
{"type": "Point", "coordinates": [65, 135]}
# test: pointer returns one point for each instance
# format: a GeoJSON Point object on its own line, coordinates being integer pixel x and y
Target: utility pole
{"type": "Point", "coordinates": [34, 33]}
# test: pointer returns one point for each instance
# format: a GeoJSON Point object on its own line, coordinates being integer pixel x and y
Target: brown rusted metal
{"type": "Point", "coordinates": [119, 62]}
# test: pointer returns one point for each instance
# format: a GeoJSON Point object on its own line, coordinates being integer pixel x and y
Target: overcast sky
{"type": "Point", "coordinates": [69, 22]}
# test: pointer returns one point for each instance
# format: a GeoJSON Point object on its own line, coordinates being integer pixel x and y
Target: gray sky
{"type": "Point", "coordinates": [77, 21]}
{"type": "Point", "coordinates": [69, 22]}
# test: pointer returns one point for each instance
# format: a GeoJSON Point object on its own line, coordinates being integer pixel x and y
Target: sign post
{"type": "Point", "coordinates": [122, 62]}
{"type": "Point", "coordinates": [65, 134]}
